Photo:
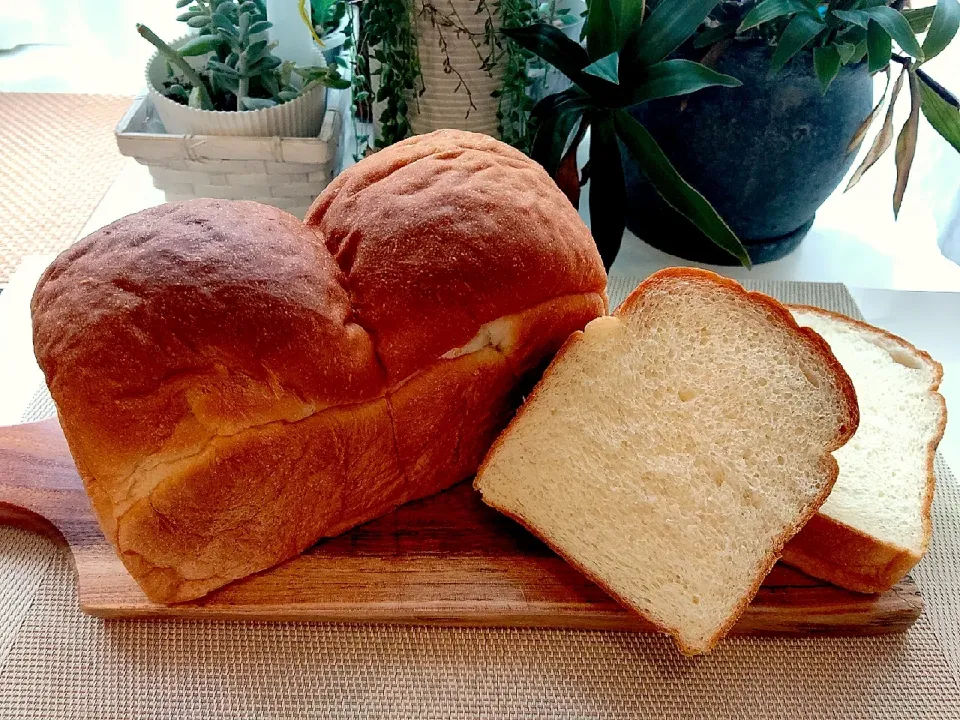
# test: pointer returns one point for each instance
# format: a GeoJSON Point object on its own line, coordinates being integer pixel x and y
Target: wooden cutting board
{"type": "Point", "coordinates": [447, 560]}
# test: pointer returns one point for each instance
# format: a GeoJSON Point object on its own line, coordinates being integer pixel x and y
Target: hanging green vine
{"type": "Point", "coordinates": [387, 49]}
{"type": "Point", "coordinates": [387, 64]}
{"type": "Point", "coordinates": [515, 103]}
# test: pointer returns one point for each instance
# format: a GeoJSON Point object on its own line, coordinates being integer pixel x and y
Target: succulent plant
{"type": "Point", "coordinates": [241, 72]}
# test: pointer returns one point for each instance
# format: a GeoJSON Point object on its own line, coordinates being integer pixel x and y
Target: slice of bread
{"type": "Point", "coordinates": [875, 525]}
{"type": "Point", "coordinates": [672, 449]}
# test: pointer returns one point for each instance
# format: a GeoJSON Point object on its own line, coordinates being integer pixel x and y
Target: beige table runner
{"type": "Point", "coordinates": [58, 157]}
{"type": "Point", "coordinates": [56, 662]}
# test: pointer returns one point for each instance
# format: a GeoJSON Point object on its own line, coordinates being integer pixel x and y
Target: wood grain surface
{"type": "Point", "coordinates": [447, 560]}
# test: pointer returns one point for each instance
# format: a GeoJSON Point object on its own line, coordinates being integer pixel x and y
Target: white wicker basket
{"type": "Point", "coordinates": [286, 172]}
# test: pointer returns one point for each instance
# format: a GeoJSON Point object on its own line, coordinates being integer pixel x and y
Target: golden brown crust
{"type": "Point", "coordinates": [440, 233]}
{"type": "Point", "coordinates": [830, 467]}
{"type": "Point", "coordinates": [198, 352]}
{"type": "Point", "coordinates": [832, 550]}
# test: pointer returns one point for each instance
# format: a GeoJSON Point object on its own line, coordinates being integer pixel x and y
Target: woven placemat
{"type": "Point", "coordinates": [57, 663]}
{"type": "Point", "coordinates": [58, 158]}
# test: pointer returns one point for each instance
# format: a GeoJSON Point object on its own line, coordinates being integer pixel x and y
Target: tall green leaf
{"type": "Point", "coordinates": [556, 116]}
{"type": "Point", "coordinates": [907, 143]}
{"type": "Point", "coordinates": [552, 45]}
{"type": "Point", "coordinates": [879, 47]}
{"type": "Point", "coordinates": [674, 189]}
{"type": "Point", "coordinates": [677, 77]}
{"type": "Point", "coordinates": [715, 34]}
{"type": "Point", "coordinates": [607, 188]}
{"type": "Point", "coordinates": [631, 18]}
{"type": "Point", "coordinates": [606, 68]}
{"type": "Point", "coordinates": [603, 35]}
{"type": "Point", "coordinates": [771, 10]}
{"type": "Point", "coordinates": [670, 24]}
{"type": "Point", "coordinates": [826, 63]}
{"type": "Point", "coordinates": [943, 28]}
{"type": "Point", "coordinates": [801, 30]}
{"type": "Point", "coordinates": [944, 117]}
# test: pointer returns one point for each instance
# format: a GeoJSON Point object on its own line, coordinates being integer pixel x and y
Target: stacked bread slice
{"type": "Point", "coordinates": [875, 526]}
{"type": "Point", "coordinates": [672, 449]}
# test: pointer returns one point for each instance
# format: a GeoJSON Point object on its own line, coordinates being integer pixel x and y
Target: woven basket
{"type": "Point", "coordinates": [286, 172]}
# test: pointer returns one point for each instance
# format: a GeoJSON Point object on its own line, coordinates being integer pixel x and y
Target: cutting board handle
{"type": "Point", "coordinates": [40, 489]}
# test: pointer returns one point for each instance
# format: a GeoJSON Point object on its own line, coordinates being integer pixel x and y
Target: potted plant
{"type": "Point", "coordinates": [766, 154]}
{"type": "Point", "coordinates": [226, 118]}
{"type": "Point", "coordinates": [226, 80]}
{"type": "Point", "coordinates": [626, 62]}
{"type": "Point", "coordinates": [430, 64]}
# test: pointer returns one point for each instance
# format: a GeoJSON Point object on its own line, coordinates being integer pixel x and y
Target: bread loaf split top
{"type": "Point", "coordinates": [235, 384]}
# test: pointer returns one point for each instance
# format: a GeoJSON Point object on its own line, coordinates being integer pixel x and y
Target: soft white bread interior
{"type": "Point", "coordinates": [875, 525]}
{"type": "Point", "coordinates": [671, 450]}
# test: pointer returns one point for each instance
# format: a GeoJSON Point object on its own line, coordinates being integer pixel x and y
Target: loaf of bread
{"type": "Point", "coordinates": [671, 450]}
{"type": "Point", "coordinates": [235, 384]}
{"type": "Point", "coordinates": [875, 526]}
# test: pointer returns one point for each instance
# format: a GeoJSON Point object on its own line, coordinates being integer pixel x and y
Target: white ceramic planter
{"type": "Point", "coordinates": [302, 117]}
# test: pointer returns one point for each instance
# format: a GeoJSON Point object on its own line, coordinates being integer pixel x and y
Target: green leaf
{"type": "Point", "coordinates": [607, 188]}
{"type": "Point", "coordinates": [198, 21]}
{"type": "Point", "coordinates": [183, 3]}
{"type": "Point", "coordinates": [771, 10]}
{"type": "Point", "coordinates": [196, 98]}
{"type": "Point", "coordinates": [712, 35]}
{"type": "Point", "coordinates": [879, 47]}
{"type": "Point", "coordinates": [847, 51]}
{"type": "Point", "coordinates": [943, 28]}
{"type": "Point", "coordinates": [826, 63]}
{"type": "Point", "coordinates": [944, 117]}
{"type": "Point", "coordinates": [260, 26]}
{"type": "Point", "coordinates": [183, 17]}
{"type": "Point", "coordinates": [199, 45]}
{"type": "Point", "coordinates": [897, 27]}
{"type": "Point", "coordinates": [907, 144]}
{"type": "Point", "coordinates": [555, 116]}
{"type": "Point", "coordinates": [883, 139]}
{"type": "Point", "coordinates": [606, 68]}
{"type": "Point", "coordinates": [677, 77]}
{"type": "Point", "coordinates": [552, 45]}
{"type": "Point", "coordinates": [801, 30]}
{"type": "Point", "coordinates": [256, 51]}
{"type": "Point", "coordinates": [920, 18]}
{"type": "Point", "coordinates": [250, 103]}
{"type": "Point", "coordinates": [674, 189]}
{"type": "Point", "coordinates": [603, 35]}
{"type": "Point", "coordinates": [630, 20]}
{"type": "Point", "coordinates": [670, 24]}
{"type": "Point", "coordinates": [856, 17]}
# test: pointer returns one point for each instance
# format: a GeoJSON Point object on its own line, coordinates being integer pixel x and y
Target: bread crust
{"type": "Point", "coordinates": [829, 465]}
{"type": "Point", "coordinates": [207, 358]}
{"type": "Point", "coordinates": [829, 549]}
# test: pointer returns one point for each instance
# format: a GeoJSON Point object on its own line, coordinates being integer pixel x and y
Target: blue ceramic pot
{"type": "Point", "coordinates": [766, 155]}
